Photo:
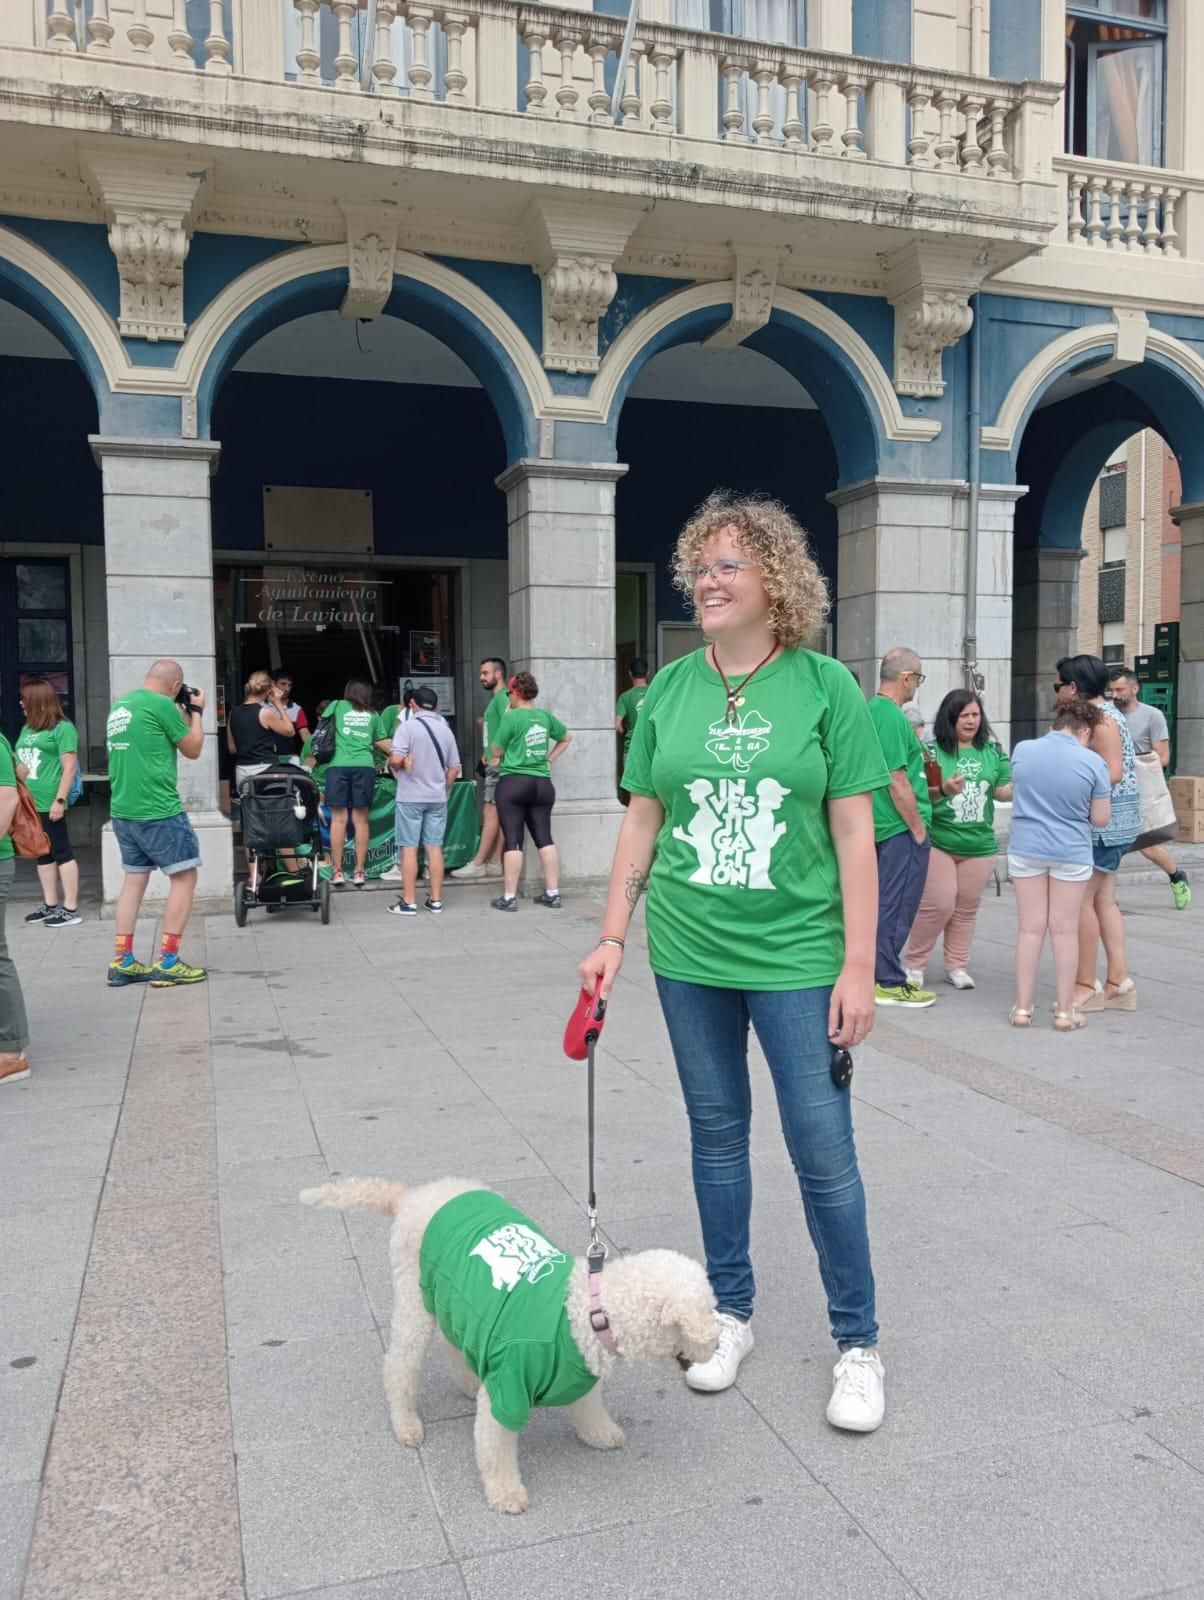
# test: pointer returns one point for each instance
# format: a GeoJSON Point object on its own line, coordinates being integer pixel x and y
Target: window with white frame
{"type": "Point", "coordinates": [1115, 80]}
{"type": "Point", "coordinates": [1112, 641]}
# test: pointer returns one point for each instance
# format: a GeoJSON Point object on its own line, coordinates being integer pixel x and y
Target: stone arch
{"type": "Point", "coordinates": [43, 288]}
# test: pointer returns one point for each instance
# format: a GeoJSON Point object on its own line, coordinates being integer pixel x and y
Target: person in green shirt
{"type": "Point", "coordinates": [902, 813]}
{"type": "Point", "coordinates": [47, 760]}
{"type": "Point", "coordinates": [14, 1023]}
{"type": "Point", "coordinates": [628, 707]}
{"type": "Point", "coordinates": [975, 773]}
{"type": "Point", "coordinates": [143, 733]}
{"type": "Point", "coordinates": [527, 741]}
{"type": "Point", "coordinates": [751, 773]}
{"type": "Point", "coordinates": [487, 860]}
{"type": "Point", "coordinates": [351, 776]}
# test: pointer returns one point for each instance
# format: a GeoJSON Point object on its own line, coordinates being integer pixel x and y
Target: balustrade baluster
{"type": "Point", "coordinates": [945, 148]}
{"type": "Point", "coordinates": [763, 123]}
{"type": "Point", "coordinates": [1170, 238]}
{"type": "Point", "coordinates": [1095, 221]}
{"type": "Point", "coordinates": [568, 95]}
{"type": "Point", "coordinates": [792, 124]}
{"type": "Point", "coordinates": [308, 58]}
{"type": "Point", "coordinates": [60, 27]}
{"type": "Point", "coordinates": [346, 67]}
{"type": "Point", "coordinates": [384, 68]}
{"type": "Point", "coordinates": [733, 116]}
{"type": "Point", "coordinates": [455, 79]}
{"type": "Point", "coordinates": [536, 90]}
{"type": "Point", "coordinates": [852, 138]}
{"type": "Point", "coordinates": [1137, 193]}
{"type": "Point", "coordinates": [919, 143]}
{"type": "Point", "coordinates": [598, 100]}
{"type": "Point", "coordinates": [217, 46]}
{"type": "Point", "coordinates": [419, 72]}
{"type": "Point", "coordinates": [632, 103]}
{"type": "Point", "coordinates": [1074, 208]}
{"type": "Point", "coordinates": [662, 57]}
{"type": "Point", "coordinates": [139, 33]}
{"type": "Point", "coordinates": [179, 39]}
{"type": "Point", "coordinates": [822, 129]}
{"type": "Point", "coordinates": [1152, 236]}
{"type": "Point", "coordinates": [100, 29]}
{"type": "Point", "coordinates": [1116, 228]}
{"type": "Point", "coordinates": [998, 165]}
{"type": "Point", "coordinates": [972, 108]}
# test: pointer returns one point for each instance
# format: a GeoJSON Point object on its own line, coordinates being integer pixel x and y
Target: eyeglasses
{"type": "Point", "coordinates": [918, 676]}
{"type": "Point", "coordinates": [722, 571]}
{"type": "Point", "coordinates": [1058, 684]}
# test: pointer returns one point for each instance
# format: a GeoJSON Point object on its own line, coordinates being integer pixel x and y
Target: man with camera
{"type": "Point", "coordinates": [144, 731]}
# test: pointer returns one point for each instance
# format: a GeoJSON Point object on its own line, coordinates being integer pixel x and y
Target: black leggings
{"type": "Point", "coordinates": [60, 845]}
{"type": "Point", "coordinates": [525, 802]}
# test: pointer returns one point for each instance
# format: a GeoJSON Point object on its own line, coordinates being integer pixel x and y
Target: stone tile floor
{"type": "Point", "coordinates": [190, 1398]}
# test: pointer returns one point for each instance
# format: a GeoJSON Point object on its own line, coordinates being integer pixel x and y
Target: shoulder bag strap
{"type": "Point", "coordinates": [430, 733]}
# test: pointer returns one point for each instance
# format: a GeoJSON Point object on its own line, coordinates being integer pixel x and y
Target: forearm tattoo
{"type": "Point", "coordinates": [636, 884]}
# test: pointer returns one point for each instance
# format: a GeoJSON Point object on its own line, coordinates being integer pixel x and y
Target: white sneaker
{"type": "Point", "coordinates": [470, 870]}
{"type": "Point", "coordinates": [393, 875]}
{"type": "Point", "coordinates": [493, 869]}
{"type": "Point", "coordinates": [735, 1342]}
{"type": "Point", "coordinates": [858, 1400]}
{"type": "Point", "coordinates": [959, 978]}
{"type": "Point", "coordinates": [914, 976]}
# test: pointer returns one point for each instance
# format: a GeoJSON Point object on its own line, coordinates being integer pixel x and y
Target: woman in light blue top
{"type": "Point", "coordinates": [1086, 678]}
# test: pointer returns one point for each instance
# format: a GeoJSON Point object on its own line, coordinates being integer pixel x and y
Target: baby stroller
{"type": "Point", "coordinates": [280, 813]}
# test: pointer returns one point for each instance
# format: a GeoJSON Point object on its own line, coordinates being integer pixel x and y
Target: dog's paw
{"type": "Point", "coordinates": [512, 1501]}
{"type": "Point", "coordinates": [409, 1430]}
{"type": "Point", "coordinates": [608, 1438]}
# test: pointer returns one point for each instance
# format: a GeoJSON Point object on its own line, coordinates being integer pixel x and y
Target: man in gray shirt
{"type": "Point", "coordinates": [1150, 735]}
{"type": "Point", "coordinates": [427, 763]}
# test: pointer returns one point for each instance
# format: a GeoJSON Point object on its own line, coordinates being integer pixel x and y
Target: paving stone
{"type": "Point", "coordinates": [295, 1299]}
{"type": "Point", "coordinates": [307, 1389]}
{"type": "Point", "coordinates": [18, 1506]}
{"type": "Point", "coordinates": [426, 1583]}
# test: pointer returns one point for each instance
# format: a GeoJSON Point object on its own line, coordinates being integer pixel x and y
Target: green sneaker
{"type": "Point", "coordinates": [123, 972]}
{"type": "Point", "coordinates": [1181, 890]}
{"type": "Point", "coordinates": [905, 995]}
{"type": "Point", "coordinates": [162, 977]}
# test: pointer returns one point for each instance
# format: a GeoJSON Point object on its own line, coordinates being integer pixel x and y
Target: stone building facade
{"type": "Point", "coordinates": [387, 336]}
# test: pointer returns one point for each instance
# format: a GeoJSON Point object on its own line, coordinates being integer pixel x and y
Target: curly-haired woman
{"type": "Point", "coordinates": [47, 760]}
{"type": "Point", "coordinates": [528, 740]}
{"type": "Point", "coordinates": [750, 821]}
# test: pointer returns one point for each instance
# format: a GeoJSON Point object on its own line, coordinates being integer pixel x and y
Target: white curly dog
{"type": "Point", "coordinates": [659, 1305]}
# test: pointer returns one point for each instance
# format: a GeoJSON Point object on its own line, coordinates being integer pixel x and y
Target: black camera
{"type": "Point", "coordinates": [184, 698]}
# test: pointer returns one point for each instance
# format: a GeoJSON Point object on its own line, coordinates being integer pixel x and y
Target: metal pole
{"type": "Point", "coordinates": [616, 98]}
{"type": "Point", "coordinates": [974, 476]}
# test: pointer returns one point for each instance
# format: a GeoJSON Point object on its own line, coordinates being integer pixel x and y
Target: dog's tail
{"type": "Point", "coordinates": [356, 1194]}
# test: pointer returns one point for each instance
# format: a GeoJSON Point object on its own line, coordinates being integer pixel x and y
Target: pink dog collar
{"type": "Point", "coordinates": [598, 1320]}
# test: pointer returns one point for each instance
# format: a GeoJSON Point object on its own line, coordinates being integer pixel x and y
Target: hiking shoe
{"type": "Point", "coordinates": [959, 978]}
{"type": "Point", "coordinates": [61, 917]}
{"type": "Point", "coordinates": [546, 899]}
{"type": "Point", "coordinates": [41, 913]}
{"type": "Point", "coordinates": [390, 875]}
{"type": "Point", "coordinates": [735, 1342]}
{"type": "Point", "coordinates": [166, 977]}
{"type": "Point", "coordinates": [402, 908]}
{"type": "Point", "coordinates": [14, 1068]}
{"type": "Point", "coordinates": [123, 972]}
{"type": "Point", "coordinates": [1180, 888]}
{"type": "Point", "coordinates": [505, 902]}
{"type": "Point", "coordinates": [906, 994]}
{"type": "Point", "coordinates": [858, 1401]}
{"type": "Point", "coordinates": [434, 905]}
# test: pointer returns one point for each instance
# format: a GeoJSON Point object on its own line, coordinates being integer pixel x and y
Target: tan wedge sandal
{"type": "Point", "coordinates": [1019, 1018]}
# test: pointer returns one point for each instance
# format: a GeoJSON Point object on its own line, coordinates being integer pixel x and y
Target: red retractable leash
{"type": "Point", "coordinates": [581, 1036]}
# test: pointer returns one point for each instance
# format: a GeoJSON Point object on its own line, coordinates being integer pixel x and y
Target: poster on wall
{"type": "Point", "coordinates": [445, 688]}
{"type": "Point", "coordinates": [424, 654]}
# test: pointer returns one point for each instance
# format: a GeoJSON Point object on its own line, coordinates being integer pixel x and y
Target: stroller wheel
{"type": "Point", "coordinates": [324, 900]}
{"type": "Point", "coordinates": [240, 904]}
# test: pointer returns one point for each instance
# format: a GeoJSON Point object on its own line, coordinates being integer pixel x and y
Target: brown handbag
{"type": "Point", "coordinates": [28, 834]}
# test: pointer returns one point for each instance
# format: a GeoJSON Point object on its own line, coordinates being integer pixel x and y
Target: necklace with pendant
{"type": "Point", "coordinates": [735, 693]}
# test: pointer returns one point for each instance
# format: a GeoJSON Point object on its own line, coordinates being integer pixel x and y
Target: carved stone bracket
{"type": "Point", "coordinates": [930, 287]}
{"type": "Point", "coordinates": [371, 251]}
{"type": "Point", "coordinates": [754, 278]}
{"type": "Point", "coordinates": [573, 248]}
{"type": "Point", "coordinates": [150, 205]}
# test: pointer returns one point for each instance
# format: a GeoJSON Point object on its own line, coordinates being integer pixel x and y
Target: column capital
{"type": "Point", "coordinates": [105, 446]}
{"type": "Point", "coordinates": [531, 467]}
{"type": "Point", "coordinates": [573, 245]}
{"type": "Point", "coordinates": [930, 285]}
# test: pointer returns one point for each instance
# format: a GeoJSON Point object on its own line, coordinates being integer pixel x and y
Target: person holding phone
{"type": "Point", "coordinates": [751, 826]}
{"type": "Point", "coordinates": [260, 732]}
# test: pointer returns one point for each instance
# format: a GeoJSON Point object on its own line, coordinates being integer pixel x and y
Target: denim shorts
{"type": "Point", "coordinates": [1108, 857]}
{"type": "Point", "coordinates": [168, 843]}
{"type": "Point", "coordinates": [491, 775]}
{"type": "Point", "coordinates": [419, 824]}
{"type": "Point", "coordinates": [350, 786]}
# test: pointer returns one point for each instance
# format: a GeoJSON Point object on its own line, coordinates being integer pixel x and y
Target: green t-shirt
{"type": "Point", "coordinates": [497, 1289]}
{"type": "Point", "coordinates": [355, 734]}
{"type": "Point", "coordinates": [141, 734]}
{"type": "Point", "coordinates": [499, 704]}
{"type": "Point", "coordinates": [8, 780]}
{"type": "Point", "coordinates": [525, 735]}
{"type": "Point", "coordinates": [42, 753]}
{"type": "Point", "coordinates": [964, 824]}
{"type": "Point", "coordinates": [744, 891]}
{"type": "Point", "coordinates": [627, 709]}
{"type": "Point", "coordinates": [901, 750]}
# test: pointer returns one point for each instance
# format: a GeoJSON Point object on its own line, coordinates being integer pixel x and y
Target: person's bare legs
{"type": "Point", "coordinates": [359, 818]}
{"type": "Point", "coordinates": [1159, 856]}
{"type": "Point", "coordinates": [69, 873]}
{"type": "Point", "coordinates": [129, 901]}
{"type": "Point", "coordinates": [48, 878]}
{"type": "Point", "coordinates": [1089, 936]}
{"type": "Point", "coordinates": [1112, 931]}
{"type": "Point", "coordinates": [549, 861]}
{"type": "Point", "coordinates": [338, 837]}
{"type": "Point", "coordinates": [1032, 914]}
{"type": "Point", "coordinates": [434, 867]}
{"type": "Point", "coordinates": [512, 866]}
{"type": "Point", "coordinates": [490, 847]}
{"type": "Point", "coordinates": [1065, 905]}
{"type": "Point", "coordinates": [409, 873]}
{"type": "Point", "coordinates": [180, 894]}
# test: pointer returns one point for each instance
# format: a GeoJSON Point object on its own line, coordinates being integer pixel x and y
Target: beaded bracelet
{"type": "Point", "coordinates": [618, 943]}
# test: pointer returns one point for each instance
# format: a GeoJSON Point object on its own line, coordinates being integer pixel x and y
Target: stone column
{"type": "Point", "coordinates": [1047, 619]}
{"type": "Point", "coordinates": [562, 629]}
{"type": "Point", "coordinates": [1189, 741]}
{"type": "Point", "coordinates": [159, 589]}
{"type": "Point", "coordinates": [901, 573]}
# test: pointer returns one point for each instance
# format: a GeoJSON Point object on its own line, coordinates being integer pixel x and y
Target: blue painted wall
{"type": "Point", "coordinates": [1016, 40]}
{"type": "Point", "coordinates": [882, 28]}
